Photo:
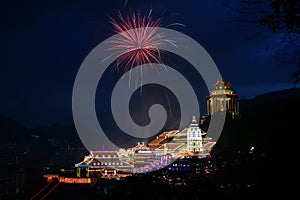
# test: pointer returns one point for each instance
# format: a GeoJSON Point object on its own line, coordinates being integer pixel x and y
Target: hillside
{"type": "Point", "coordinates": [11, 130]}
{"type": "Point", "coordinates": [268, 122]}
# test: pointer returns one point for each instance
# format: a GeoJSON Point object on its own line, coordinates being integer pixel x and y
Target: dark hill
{"type": "Point", "coordinates": [65, 134]}
{"type": "Point", "coordinates": [277, 96]}
{"type": "Point", "coordinates": [11, 130]}
{"type": "Point", "coordinates": [269, 122]}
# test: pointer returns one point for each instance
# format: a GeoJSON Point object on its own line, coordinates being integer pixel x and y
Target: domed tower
{"type": "Point", "coordinates": [194, 137]}
{"type": "Point", "coordinates": [223, 98]}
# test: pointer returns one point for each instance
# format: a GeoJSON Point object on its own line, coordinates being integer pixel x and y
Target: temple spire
{"type": "Point", "coordinates": [194, 119]}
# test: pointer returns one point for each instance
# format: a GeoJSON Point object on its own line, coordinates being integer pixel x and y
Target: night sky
{"type": "Point", "coordinates": [46, 42]}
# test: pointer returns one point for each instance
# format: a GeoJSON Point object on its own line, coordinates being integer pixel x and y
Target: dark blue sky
{"type": "Point", "coordinates": [45, 43]}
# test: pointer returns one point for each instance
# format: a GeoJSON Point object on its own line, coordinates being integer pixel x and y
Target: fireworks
{"type": "Point", "coordinates": [125, 3]}
{"type": "Point", "coordinates": [139, 40]}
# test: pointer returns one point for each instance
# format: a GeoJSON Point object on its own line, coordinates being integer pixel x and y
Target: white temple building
{"type": "Point", "coordinates": [194, 137]}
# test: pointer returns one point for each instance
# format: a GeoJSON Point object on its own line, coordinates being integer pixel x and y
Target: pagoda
{"type": "Point", "coordinates": [223, 98]}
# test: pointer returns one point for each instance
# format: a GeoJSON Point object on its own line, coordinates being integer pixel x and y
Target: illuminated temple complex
{"type": "Point", "coordinates": [169, 145]}
{"type": "Point", "coordinates": [161, 151]}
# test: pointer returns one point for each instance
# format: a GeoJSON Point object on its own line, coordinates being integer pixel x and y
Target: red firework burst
{"type": "Point", "coordinates": [138, 42]}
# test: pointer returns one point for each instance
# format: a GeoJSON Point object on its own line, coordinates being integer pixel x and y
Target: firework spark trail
{"type": "Point", "coordinates": [125, 3]}
{"type": "Point", "coordinates": [149, 13]}
{"type": "Point", "coordinates": [169, 104]}
{"type": "Point", "coordinates": [138, 46]}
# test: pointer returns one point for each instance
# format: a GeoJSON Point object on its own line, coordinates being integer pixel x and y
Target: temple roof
{"type": "Point", "coordinates": [106, 153]}
{"type": "Point", "coordinates": [171, 146]}
{"type": "Point", "coordinates": [222, 85]}
{"type": "Point", "coordinates": [222, 88]}
{"type": "Point", "coordinates": [156, 141]}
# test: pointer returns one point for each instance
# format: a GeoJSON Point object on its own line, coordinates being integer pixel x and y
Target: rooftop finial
{"type": "Point", "coordinates": [194, 119]}
{"type": "Point", "coordinates": [103, 148]}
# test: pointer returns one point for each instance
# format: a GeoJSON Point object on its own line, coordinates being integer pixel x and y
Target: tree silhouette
{"type": "Point", "coordinates": [282, 18]}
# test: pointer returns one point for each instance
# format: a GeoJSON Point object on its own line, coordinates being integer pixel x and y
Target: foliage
{"type": "Point", "coordinates": [282, 18]}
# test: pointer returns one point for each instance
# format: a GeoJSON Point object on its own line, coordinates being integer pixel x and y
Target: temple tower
{"type": "Point", "coordinates": [223, 98]}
